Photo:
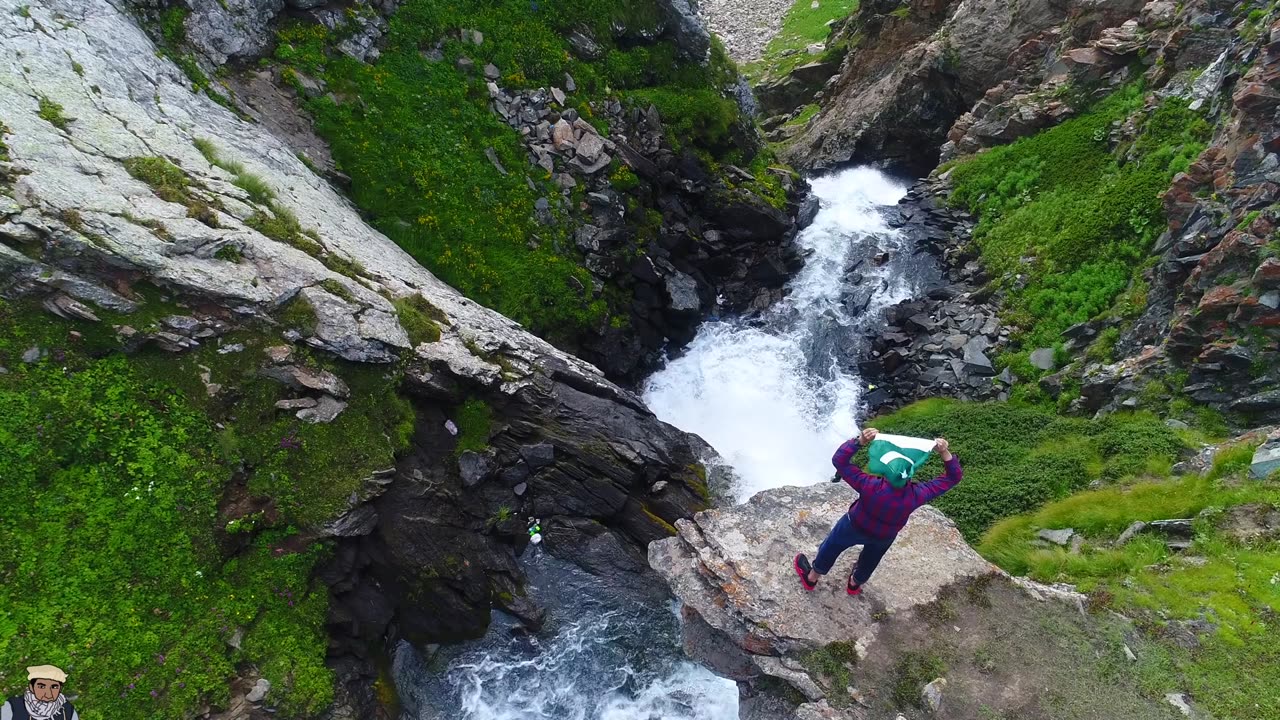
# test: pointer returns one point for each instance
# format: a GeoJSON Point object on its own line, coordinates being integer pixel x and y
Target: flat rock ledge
{"type": "Point", "coordinates": [733, 567]}
{"type": "Point", "coordinates": [747, 618]}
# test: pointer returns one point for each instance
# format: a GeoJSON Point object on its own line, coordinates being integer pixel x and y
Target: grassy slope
{"type": "Point", "coordinates": [1235, 673]}
{"type": "Point", "coordinates": [1074, 216]}
{"type": "Point", "coordinates": [111, 564]}
{"type": "Point", "coordinates": [414, 142]}
{"type": "Point", "coordinates": [1017, 457]}
{"type": "Point", "coordinates": [802, 26]}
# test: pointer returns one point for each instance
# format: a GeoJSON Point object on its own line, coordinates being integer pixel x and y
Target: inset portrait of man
{"type": "Point", "coordinates": [43, 699]}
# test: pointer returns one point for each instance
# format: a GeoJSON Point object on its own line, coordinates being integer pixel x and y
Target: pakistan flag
{"type": "Point", "coordinates": [896, 457]}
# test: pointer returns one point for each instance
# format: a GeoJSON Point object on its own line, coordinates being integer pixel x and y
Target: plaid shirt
{"type": "Point", "coordinates": [881, 510]}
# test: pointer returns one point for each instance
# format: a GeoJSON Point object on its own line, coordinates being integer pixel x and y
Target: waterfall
{"type": "Point", "coordinates": [774, 394]}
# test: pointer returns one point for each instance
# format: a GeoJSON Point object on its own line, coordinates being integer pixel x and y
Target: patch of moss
{"type": "Point", "coordinates": [419, 318]}
{"type": "Point", "coordinates": [229, 253]}
{"type": "Point", "coordinates": [282, 225]}
{"type": "Point", "coordinates": [167, 180]}
{"type": "Point", "coordinates": [666, 526]}
{"type": "Point", "coordinates": [337, 289]}
{"type": "Point", "coordinates": [474, 421]}
{"type": "Point", "coordinates": [299, 314]}
{"type": "Point", "coordinates": [833, 663]}
{"type": "Point", "coordinates": [51, 112]}
{"type": "Point", "coordinates": [339, 263]}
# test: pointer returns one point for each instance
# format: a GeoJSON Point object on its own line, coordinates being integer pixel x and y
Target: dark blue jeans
{"type": "Point", "coordinates": [844, 536]}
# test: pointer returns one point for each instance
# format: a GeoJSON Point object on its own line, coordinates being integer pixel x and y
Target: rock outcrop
{"type": "Point", "coordinates": [123, 193]}
{"type": "Point", "coordinates": [912, 69]}
{"type": "Point", "coordinates": [936, 626]}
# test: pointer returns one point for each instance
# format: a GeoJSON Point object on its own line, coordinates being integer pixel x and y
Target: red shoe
{"type": "Point", "coordinates": [853, 588]}
{"type": "Point", "coordinates": [802, 566]}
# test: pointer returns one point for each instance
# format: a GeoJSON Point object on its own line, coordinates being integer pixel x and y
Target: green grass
{"type": "Point", "coordinates": [111, 562]}
{"type": "Point", "coordinates": [1019, 457]}
{"type": "Point", "coordinates": [1085, 216]}
{"type": "Point", "coordinates": [414, 144]}
{"type": "Point", "coordinates": [1234, 673]}
{"type": "Point", "coordinates": [802, 26]}
{"type": "Point", "coordinates": [259, 191]}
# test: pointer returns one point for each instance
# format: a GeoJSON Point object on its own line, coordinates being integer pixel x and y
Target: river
{"type": "Point", "coordinates": [774, 394]}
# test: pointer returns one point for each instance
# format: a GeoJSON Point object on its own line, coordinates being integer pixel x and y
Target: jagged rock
{"type": "Point", "coordinates": [296, 403]}
{"type": "Point", "coordinates": [259, 691]}
{"type": "Point", "coordinates": [1266, 459]}
{"type": "Point", "coordinates": [931, 695]}
{"type": "Point", "coordinates": [1042, 358]}
{"type": "Point", "coordinates": [1057, 537]}
{"type": "Point", "coordinates": [732, 566]}
{"type": "Point", "coordinates": [304, 378]}
{"type": "Point", "coordinates": [538, 456]}
{"type": "Point", "coordinates": [475, 468]}
{"type": "Point", "coordinates": [326, 410]}
{"type": "Point", "coordinates": [1134, 528]}
{"type": "Point", "coordinates": [682, 293]}
{"type": "Point", "coordinates": [585, 46]}
{"type": "Point", "coordinates": [975, 359]}
{"type": "Point", "coordinates": [690, 34]}
{"type": "Point", "coordinates": [897, 96]}
{"type": "Point", "coordinates": [226, 29]}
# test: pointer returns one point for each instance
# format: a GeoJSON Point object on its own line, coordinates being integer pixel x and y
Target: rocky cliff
{"type": "Point", "coordinates": [153, 217]}
{"type": "Point", "coordinates": [912, 69]}
{"type": "Point", "coordinates": [938, 631]}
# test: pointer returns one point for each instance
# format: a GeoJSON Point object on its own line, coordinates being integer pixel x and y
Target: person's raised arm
{"type": "Point", "coordinates": [843, 461]}
{"type": "Point", "coordinates": [927, 491]}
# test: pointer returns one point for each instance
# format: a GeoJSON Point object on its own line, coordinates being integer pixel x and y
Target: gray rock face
{"type": "Point", "coordinates": [221, 30]}
{"type": "Point", "coordinates": [691, 35]}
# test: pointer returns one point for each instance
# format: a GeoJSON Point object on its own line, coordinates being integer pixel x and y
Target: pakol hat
{"type": "Point", "coordinates": [45, 672]}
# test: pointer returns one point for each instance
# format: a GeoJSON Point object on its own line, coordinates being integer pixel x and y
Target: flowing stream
{"type": "Point", "coordinates": [774, 395]}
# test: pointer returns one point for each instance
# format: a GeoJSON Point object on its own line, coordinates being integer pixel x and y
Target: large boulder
{"type": "Point", "coordinates": [934, 609]}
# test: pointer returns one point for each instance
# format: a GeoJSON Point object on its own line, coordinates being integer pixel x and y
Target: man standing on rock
{"type": "Point", "coordinates": [879, 513]}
